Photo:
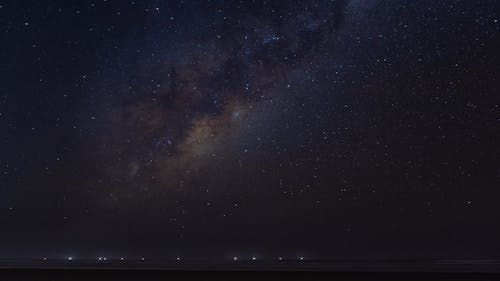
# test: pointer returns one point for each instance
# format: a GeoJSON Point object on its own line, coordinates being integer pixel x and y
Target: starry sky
{"type": "Point", "coordinates": [325, 129]}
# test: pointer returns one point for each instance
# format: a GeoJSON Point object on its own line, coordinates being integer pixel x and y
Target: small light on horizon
{"type": "Point", "coordinates": [301, 258]}
{"type": "Point", "coordinates": [70, 258]}
{"type": "Point", "coordinates": [235, 258]}
{"type": "Point", "coordinates": [254, 258]}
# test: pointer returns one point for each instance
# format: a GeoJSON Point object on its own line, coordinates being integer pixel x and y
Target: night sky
{"type": "Point", "coordinates": [212, 129]}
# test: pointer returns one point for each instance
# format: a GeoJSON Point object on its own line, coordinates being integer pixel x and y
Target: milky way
{"type": "Point", "coordinates": [189, 113]}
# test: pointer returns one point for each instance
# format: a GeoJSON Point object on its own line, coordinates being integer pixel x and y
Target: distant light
{"type": "Point", "coordinates": [235, 258]}
{"type": "Point", "coordinates": [178, 259]}
{"type": "Point", "coordinates": [44, 259]}
{"type": "Point", "coordinates": [100, 259]}
{"type": "Point", "coordinates": [301, 258]}
{"type": "Point", "coordinates": [70, 258]}
{"type": "Point", "coordinates": [122, 259]}
{"type": "Point", "coordinates": [280, 258]}
{"type": "Point", "coordinates": [254, 258]}
{"type": "Point", "coordinates": [142, 259]}
{"type": "Point", "coordinates": [104, 258]}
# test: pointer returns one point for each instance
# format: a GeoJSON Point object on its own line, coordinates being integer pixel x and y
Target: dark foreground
{"type": "Point", "coordinates": [146, 275]}
{"type": "Point", "coordinates": [145, 270]}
